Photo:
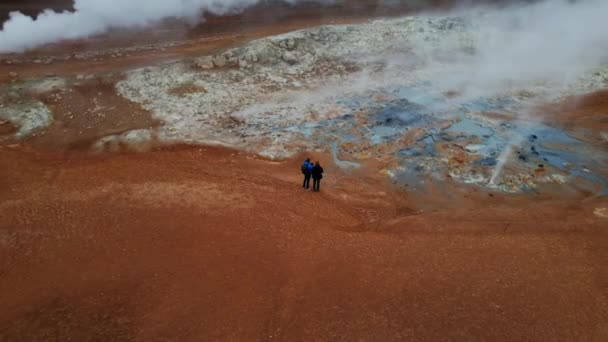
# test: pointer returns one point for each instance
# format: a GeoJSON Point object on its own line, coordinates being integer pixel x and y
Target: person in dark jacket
{"type": "Point", "coordinates": [317, 175]}
{"type": "Point", "coordinates": [306, 168]}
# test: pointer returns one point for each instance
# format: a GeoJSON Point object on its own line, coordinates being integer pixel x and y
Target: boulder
{"type": "Point", "coordinates": [250, 57]}
{"type": "Point", "coordinates": [233, 61]}
{"type": "Point", "coordinates": [205, 62]}
{"type": "Point", "coordinates": [243, 64]}
{"type": "Point", "coordinates": [291, 43]}
{"type": "Point", "coordinates": [219, 61]}
{"type": "Point", "coordinates": [289, 57]}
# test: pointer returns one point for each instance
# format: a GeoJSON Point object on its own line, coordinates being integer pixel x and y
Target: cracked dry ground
{"type": "Point", "coordinates": [193, 243]}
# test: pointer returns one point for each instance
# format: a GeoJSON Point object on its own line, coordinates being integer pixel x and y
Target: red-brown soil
{"type": "Point", "coordinates": [586, 116]}
{"type": "Point", "coordinates": [189, 243]}
{"type": "Point", "coordinates": [87, 112]}
{"type": "Point", "coordinates": [193, 243]}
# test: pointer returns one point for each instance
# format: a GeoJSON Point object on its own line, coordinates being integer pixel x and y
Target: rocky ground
{"type": "Point", "coordinates": [111, 228]}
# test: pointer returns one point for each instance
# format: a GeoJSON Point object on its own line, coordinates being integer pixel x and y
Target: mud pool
{"type": "Point", "coordinates": [385, 93]}
{"type": "Point", "coordinates": [424, 138]}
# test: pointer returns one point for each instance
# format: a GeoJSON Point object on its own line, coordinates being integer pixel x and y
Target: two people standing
{"type": "Point", "coordinates": [314, 171]}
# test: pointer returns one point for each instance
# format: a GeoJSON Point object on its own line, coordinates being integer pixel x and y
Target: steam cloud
{"type": "Point", "coordinates": [550, 41]}
{"type": "Point", "coordinates": [92, 17]}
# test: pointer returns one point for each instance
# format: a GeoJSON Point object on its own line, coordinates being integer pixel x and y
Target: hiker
{"type": "Point", "coordinates": [317, 175]}
{"type": "Point", "coordinates": [306, 168]}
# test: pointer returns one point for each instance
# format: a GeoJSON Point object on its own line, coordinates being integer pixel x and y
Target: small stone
{"type": "Point", "coordinates": [13, 74]}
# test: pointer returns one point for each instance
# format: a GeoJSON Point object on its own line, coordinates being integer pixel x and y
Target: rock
{"type": "Point", "coordinates": [243, 64]}
{"type": "Point", "coordinates": [219, 61]}
{"type": "Point", "coordinates": [525, 94]}
{"type": "Point", "coordinates": [601, 212]}
{"type": "Point", "coordinates": [13, 74]}
{"type": "Point", "coordinates": [205, 62]}
{"type": "Point", "coordinates": [291, 43]}
{"type": "Point", "coordinates": [251, 58]}
{"type": "Point", "coordinates": [289, 57]}
{"type": "Point", "coordinates": [473, 148]}
{"type": "Point", "coordinates": [37, 61]}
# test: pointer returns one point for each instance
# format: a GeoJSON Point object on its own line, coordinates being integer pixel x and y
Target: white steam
{"type": "Point", "coordinates": [524, 46]}
{"type": "Point", "coordinates": [546, 48]}
{"type": "Point", "coordinates": [92, 17]}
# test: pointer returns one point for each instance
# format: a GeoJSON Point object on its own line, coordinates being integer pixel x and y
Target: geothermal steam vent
{"type": "Point", "coordinates": [399, 91]}
{"type": "Point", "coordinates": [426, 97]}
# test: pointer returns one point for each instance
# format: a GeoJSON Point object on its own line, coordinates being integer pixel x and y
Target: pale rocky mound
{"type": "Point", "coordinates": [260, 95]}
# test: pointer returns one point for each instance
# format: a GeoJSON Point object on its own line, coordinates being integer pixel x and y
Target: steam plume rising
{"type": "Point", "coordinates": [92, 17]}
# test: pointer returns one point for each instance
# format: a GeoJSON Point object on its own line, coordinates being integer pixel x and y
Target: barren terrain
{"type": "Point", "coordinates": [192, 243]}
{"type": "Point", "coordinates": [108, 232]}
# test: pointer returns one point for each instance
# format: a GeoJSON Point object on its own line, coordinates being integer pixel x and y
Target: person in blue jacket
{"type": "Point", "coordinates": [306, 171]}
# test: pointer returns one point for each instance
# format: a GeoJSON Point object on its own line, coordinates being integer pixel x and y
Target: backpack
{"type": "Point", "coordinates": [304, 168]}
